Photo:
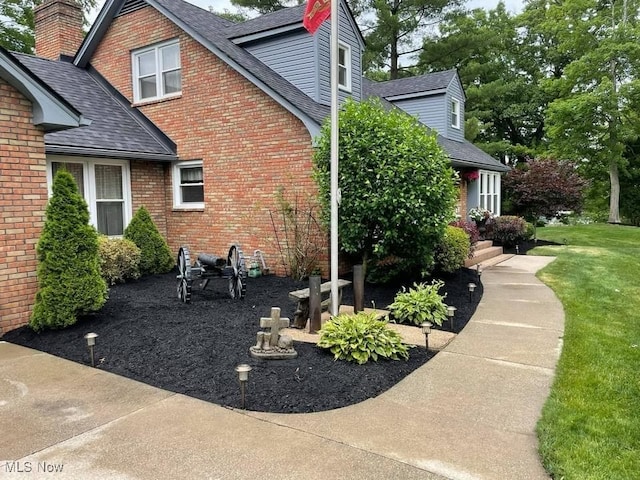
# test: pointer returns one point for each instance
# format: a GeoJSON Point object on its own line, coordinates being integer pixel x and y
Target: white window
{"type": "Point", "coordinates": [344, 67]}
{"type": "Point", "coordinates": [105, 186]}
{"type": "Point", "coordinates": [489, 183]}
{"type": "Point", "coordinates": [455, 113]}
{"type": "Point", "coordinates": [188, 185]}
{"type": "Point", "coordinates": [156, 72]}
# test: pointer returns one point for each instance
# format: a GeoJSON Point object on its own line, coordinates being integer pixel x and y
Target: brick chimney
{"type": "Point", "coordinates": [58, 28]}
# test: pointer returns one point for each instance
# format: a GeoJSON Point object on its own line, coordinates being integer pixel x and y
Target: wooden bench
{"type": "Point", "coordinates": [302, 297]}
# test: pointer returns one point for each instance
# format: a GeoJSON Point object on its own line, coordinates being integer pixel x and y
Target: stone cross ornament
{"type": "Point", "coordinates": [272, 345]}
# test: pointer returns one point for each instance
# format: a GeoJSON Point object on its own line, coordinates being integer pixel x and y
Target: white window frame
{"type": "Point", "coordinates": [177, 190]}
{"type": "Point", "coordinates": [158, 73]}
{"type": "Point", "coordinates": [346, 67]}
{"type": "Point", "coordinates": [489, 190]}
{"type": "Point", "coordinates": [89, 178]}
{"type": "Point", "coordinates": [455, 113]}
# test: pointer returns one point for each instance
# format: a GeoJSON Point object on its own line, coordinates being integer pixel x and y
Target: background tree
{"type": "Point", "coordinates": [543, 187]}
{"type": "Point", "coordinates": [397, 184]}
{"type": "Point", "coordinates": [69, 280]}
{"type": "Point", "coordinates": [266, 6]}
{"type": "Point", "coordinates": [595, 115]}
{"type": "Point", "coordinates": [16, 23]}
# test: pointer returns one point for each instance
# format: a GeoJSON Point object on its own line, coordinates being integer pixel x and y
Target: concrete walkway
{"type": "Point", "coordinates": [469, 413]}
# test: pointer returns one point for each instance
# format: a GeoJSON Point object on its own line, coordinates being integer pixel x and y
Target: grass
{"type": "Point", "coordinates": [590, 425]}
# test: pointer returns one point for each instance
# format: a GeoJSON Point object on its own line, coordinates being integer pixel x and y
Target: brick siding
{"type": "Point", "coordinates": [249, 144]}
{"type": "Point", "coordinates": [23, 198]}
{"type": "Point", "coordinates": [58, 28]}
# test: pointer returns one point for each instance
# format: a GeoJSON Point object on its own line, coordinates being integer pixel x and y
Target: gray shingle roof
{"type": "Point", "coordinates": [280, 18]}
{"type": "Point", "coordinates": [466, 154]}
{"type": "Point", "coordinates": [116, 129]}
{"type": "Point", "coordinates": [405, 86]}
{"type": "Point", "coordinates": [209, 27]}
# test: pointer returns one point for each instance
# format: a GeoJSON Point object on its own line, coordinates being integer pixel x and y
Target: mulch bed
{"type": "Point", "coordinates": [145, 333]}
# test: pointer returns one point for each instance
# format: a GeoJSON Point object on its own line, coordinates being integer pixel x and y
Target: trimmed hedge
{"type": "Point", "coordinates": [119, 259]}
{"type": "Point", "coordinates": [510, 230]}
{"type": "Point", "coordinates": [454, 248]}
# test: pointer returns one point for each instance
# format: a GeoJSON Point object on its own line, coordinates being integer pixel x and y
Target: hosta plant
{"type": "Point", "coordinates": [361, 337]}
{"type": "Point", "coordinates": [419, 304]}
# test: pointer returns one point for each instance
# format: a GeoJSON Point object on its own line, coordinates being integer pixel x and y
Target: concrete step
{"type": "Point", "coordinates": [495, 260]}
{"type": "Point", "coordinates": [480, 256]}
{"type": "Point", "coordinates": [482, 244]}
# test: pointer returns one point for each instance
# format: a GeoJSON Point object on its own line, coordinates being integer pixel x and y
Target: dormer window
{"type": "Point", "coordinates": [344, 67]}
{"type": "Point", "coordinates": [455, 113]}
{"type": "Point", "coordinates": [157, 72]}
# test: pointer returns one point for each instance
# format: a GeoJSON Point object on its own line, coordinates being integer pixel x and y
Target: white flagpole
{"type": "Point", "coordinates": [334, 157]}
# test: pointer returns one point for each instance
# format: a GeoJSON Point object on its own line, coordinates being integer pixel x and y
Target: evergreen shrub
{"type": "Point", "coordinates": [69, 280]}
{"type": "Point", "coordinates": [119, 259]}
{"type": "Point", "coordinates": [453, 249]}
{"type": "Point", "coordinates": [155, 254]}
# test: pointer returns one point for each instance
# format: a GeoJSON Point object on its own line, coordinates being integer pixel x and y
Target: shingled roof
{"type": "Point", "coordinates": [429, 82]}
{"type": "Point", "coordinates": [116, 129]}
{"type": "Point", "coordinates": [280, 18]}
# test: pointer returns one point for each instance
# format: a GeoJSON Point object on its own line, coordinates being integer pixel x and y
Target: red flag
{"type": "Point", "coordinates": [317, 11]}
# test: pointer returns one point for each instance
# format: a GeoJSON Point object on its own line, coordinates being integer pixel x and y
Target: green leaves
{"type": "Point", "coordinates": [155, 254]}
{"type": "Point", "coordinates": [422, 303]}
{"type": "Point", "coordinates": [397, 185]}
{"type": "Point", "coordinates": [361, 337]}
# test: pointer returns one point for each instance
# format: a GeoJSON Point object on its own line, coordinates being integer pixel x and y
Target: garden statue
{"type": "Point", "coordinates": [272, 345]}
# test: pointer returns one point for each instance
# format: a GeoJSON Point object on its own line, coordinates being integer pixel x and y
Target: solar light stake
{"type": "Point", "coordinates": [243, 375]}
{"type": "Point", "coordinates": [472, 287]}
{"type": "Point", "coordinates": [478, 271]}
{"type": "Point", "coordinates": [426, 329]}
{"type": "Point", "coordinates": [91, 341]}
{"type": "Point", "coordinates": [517, 249]}
{"type": "Point", "coordinates": [451, 311]}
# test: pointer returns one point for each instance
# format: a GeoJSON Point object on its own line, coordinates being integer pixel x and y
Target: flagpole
{"type": "Point", "coordinates": [334, 157]}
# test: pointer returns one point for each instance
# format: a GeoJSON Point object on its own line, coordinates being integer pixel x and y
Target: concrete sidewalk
{"type": "Point", "coordinates": [469, 413]}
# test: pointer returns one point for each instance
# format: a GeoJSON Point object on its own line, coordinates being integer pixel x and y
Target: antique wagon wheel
{"type": "Point", "coordinates": [184, 275]}
{"type": "Point", "coordinates": [238, 278]}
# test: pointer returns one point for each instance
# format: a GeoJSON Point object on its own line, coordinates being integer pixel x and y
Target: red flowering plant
{"type": "Point", "coordinates": [470, 175]}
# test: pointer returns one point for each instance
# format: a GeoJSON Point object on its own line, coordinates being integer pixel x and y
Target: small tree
{"type": "Point", "coordinates": [545, 187]}
{"type": "Point", "coordinates": [155, 254]}
{"type": "Point", "coordinates": [397, 185]}
{"type": "Point", "coordinates": [69, 280]}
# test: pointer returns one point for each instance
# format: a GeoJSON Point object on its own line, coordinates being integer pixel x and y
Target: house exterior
{"type": "Point", "coordinates": [199, 119]}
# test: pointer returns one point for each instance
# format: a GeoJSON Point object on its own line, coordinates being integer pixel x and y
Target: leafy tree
{"type": "Point", "coordinates": [155, 254]}
{"type": "Point", "coordinates": [397, 186]}
{"type": "Point", "coordinates": [595, 115]}
{"type": "Point", "coordinates": [69, 280]}
{"type": "Point", "coordinates": [17, 23]}
{"type": "Point", "coordinates": [499, 70]}
{"type": "Point", "coordinates": [544, 187]}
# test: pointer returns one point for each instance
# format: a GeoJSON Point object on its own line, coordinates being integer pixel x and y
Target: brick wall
{"type": "Point", "coordinates": [23, 198]}
{"type": "Point", "coordinates": [249, 144]}
{"type": "Point", "coordinates": [58, 28]}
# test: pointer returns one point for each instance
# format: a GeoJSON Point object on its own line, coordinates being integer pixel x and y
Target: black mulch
{"type": "Point", "coordinates": [147, 334]}
{"type": "Point", "coordinates": [524, 247]}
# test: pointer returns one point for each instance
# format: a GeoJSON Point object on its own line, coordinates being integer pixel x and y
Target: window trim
{"type": "Point", "coordinates": [455, 110]}
{"type": "Point", "coordinates": [492, 191]}
{"type": "Point", "coordinates": [177, 192]}
{"type": "Point", "coordinates": [347, 67]}
{"type": "Point", "coordinates": [160, 95]}
{"type": "Point", "coordinates": [89, 177]}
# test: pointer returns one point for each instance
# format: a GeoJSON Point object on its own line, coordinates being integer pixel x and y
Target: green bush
{"type": "Point", "coordinates": [119, 259]}
{"type": "Point", "coordinates": [454, 248]}
{"type": "Point", "coordinates": [509, 230]}
{"type": "Point", "coordinates": [69, 281]}
{"type": "Point", "coordinates": [422, 303]}
{"type": "Point", "coordinates": [361, 337]}
{"type": "Point", "coordinates": [530, 231]}
{"type": "Point", "coordinates": [155, 254]}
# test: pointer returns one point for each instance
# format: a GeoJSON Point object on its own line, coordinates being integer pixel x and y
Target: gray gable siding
{"type": "Point", "coordinates": [454, 91]}
{"type": "Point", "coordinates": [429, 110]}
{"type": "Point", "coordinates": [349, 37]}
{"type": "Point", "coordinates": [292, 56]}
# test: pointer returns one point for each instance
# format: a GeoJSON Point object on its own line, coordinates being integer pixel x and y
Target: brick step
{"type": "Point", "coordinates": [480, 256]}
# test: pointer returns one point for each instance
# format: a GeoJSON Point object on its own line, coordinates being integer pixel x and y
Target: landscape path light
{"type": "Point", "coordinates": [451, 311]}
{"type": "Point", "coordinates": [243, 375]}
{"type": "Point", "coordinates": [91, 342]}
{"type": "Point", "coordinates": [472, 287]}
{"type": "Point", "coordinates": [478, 271]}
{"type": "Point", "coordinates": [426, 329]}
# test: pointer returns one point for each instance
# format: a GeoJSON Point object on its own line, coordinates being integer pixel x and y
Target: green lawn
{"type": "Point", "coordinates": [590, 426]}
